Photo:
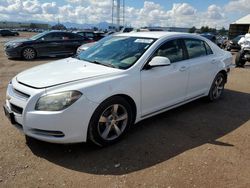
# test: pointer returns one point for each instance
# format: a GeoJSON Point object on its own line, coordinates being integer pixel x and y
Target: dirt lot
{"type": "Point", "coordinates": [198, 145]}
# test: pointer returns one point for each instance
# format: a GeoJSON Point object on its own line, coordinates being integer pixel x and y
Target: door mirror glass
{"type": "Point", "coordinates": [159, 61]}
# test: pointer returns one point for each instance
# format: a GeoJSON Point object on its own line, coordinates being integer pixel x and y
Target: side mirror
{"type": "Point", "coordinates": [158, 61]}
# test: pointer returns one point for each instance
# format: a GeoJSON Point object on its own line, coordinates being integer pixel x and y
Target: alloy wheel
{"type": "Point", "coordinates": [112, 122]}
{"type": "Point", "coordinates": [29, 53]}
{"type": "Point", "coordinates": [218, 87]}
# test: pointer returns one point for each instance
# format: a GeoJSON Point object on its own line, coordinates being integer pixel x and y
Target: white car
{"type": "Point", "coordinates": [120, 81]}
{"type": "Point", "coordinates": [84, 47]}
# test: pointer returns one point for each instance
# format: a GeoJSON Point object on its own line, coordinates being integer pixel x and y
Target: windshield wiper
{"type": "Point", "coordinates": [105, 64]}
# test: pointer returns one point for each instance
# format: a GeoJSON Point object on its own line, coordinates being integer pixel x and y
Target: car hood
{"type": "Point", "coordinates": [62, 71]}
{"type": "Point", "coordinates": [17, 40]}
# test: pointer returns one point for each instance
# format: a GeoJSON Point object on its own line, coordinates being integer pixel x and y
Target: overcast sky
{"type": "Point", "coordinates": [181, 13]}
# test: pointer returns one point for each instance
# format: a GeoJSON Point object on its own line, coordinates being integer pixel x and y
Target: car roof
{"type": "Point", "coordinates": [156, 34]}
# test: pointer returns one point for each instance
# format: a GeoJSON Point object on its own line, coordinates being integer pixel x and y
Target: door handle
{"type": "Point", "coordinates": [183, 68]}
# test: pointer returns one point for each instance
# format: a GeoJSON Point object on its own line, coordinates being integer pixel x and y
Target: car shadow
{"type": "Point", "coordinates": [156, 139]}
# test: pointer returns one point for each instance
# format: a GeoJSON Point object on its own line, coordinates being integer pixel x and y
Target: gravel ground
{"type": "Point", "coordinates": [200, 144]}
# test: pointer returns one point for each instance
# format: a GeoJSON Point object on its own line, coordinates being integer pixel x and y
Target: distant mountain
{"type": "Point", "coordinates": [101, 25]}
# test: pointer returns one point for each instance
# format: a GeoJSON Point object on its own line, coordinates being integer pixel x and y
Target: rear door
{"type": "Point", "coordinates": [72, 41]}
{"type": "Point", "coordinates": [202, 67]}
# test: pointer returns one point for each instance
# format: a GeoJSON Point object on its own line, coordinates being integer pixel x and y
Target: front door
{"type": "Point", "coordinates": [50, 44]}
{"type": "Point", "coordinates": [164, 86]}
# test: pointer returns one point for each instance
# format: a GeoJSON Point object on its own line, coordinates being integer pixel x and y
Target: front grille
{"type": "Point", "coordinates": [21, 94]}
{"type": "Point", "coordinates": [16, 109]}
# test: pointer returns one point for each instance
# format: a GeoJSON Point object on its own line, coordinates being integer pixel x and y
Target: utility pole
{"type": "Point", "coordinates": [118, 8]}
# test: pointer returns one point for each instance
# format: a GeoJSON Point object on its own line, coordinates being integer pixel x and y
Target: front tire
{"type": "Point", "coordinates": [29, 53]}
{"type": "Point", "coordinates": [217, 87]}
{"type": "Point", "coordinates": [110, 121]}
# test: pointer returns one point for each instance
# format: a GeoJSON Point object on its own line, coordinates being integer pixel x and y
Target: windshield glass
{"type": "Point", "coordinates": [35, 37]}
{"type": "Point", "coordinates": [117, 51]}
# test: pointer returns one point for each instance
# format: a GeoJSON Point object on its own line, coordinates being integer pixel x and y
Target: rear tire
{"type": "Point", "coordinates": [217, 87]}
{"type": "Point", "coordinates": [29, 53]}
{"type": "Point", "coordinates": [110, 121]}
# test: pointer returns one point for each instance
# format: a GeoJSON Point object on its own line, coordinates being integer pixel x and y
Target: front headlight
{"type": "Point", "coordinates": [16, 44]}
{"type": "Point", "coordinates": [57, 101]}
{"type": "Point", "coordinates": [79, 50]}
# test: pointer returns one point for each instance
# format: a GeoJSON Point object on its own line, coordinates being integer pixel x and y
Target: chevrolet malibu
{"type": "Point", "coordinates": [119, 81]}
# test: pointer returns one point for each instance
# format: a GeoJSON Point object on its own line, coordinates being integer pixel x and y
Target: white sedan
{"type": "Point", "coordinates": [119, 81]}
{"type": "Point", "coordinates": [84, 47]}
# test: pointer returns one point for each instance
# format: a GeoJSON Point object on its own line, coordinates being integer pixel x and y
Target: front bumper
{"type": "Point", "coordinates": [13, 52]}
{"type": "Point", "coordinates": [67, 126]}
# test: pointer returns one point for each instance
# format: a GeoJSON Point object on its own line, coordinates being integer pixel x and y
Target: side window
{"type": "Point", "coordinates": [53, 36]}
{"type": "Point", "coordinates": [89, 35]}
{"type": "Point", "coordinates": [209, 50]}
{"type": "Point", "coordinates": [172, 50]}
{"type": "Point", "coordinates": [68, 36]}
{"type": "Point", "coordinates": [195, 48]}
{"type": "Point", "coordinates": [80, 33]}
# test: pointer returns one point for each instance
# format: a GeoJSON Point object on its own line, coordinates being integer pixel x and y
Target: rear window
{"type": "Point", "coordinates": [209, 50]}
{"type": "Point", "coordinates": [195, 48]}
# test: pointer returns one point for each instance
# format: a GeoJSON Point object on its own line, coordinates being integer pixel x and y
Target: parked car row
{"type": "Point", "coordinates": [63, 43]}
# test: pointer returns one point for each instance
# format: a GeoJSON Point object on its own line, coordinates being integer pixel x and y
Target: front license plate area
{"type": "Point", "coordinates": [9, 115]}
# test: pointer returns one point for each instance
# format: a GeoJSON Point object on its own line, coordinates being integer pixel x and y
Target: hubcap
{"type": "Point", "coordinates": [113, 122]}
{"type": "Point", "coordinates": [218, 87]}
{"type": "Point", "coordinates": [29, 53]}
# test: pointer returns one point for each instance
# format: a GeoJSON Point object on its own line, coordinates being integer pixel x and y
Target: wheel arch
{"type": "Point", "coordinates": [224, 73]}
{"type": "Point", "coordinates": [130, 101]}
{"type": "Point", "coordinates": [124, 96]}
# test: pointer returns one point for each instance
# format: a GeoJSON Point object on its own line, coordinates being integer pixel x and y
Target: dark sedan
{"type": "Point", "coordinates": [53, 43]}
{"type": "Point", "coordinates": [6, 32]}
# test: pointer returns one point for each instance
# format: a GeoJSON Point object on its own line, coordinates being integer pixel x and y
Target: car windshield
{"type": "Point", "coordinates": [35, 37]}
{"type": "Point", "coordinates": [117, 51]}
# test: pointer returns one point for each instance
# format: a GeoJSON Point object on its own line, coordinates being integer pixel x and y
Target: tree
{"type": "Point", "coordinates": [206, 29]}
{"type": "Point", "coordinates": [223, 31]}
{"type": "Point", "coordinates": [33, 26]}
{"type": "Point", "coordinates": [192, 30]}
{"type": "Point", "coordinates": [58, 27]}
